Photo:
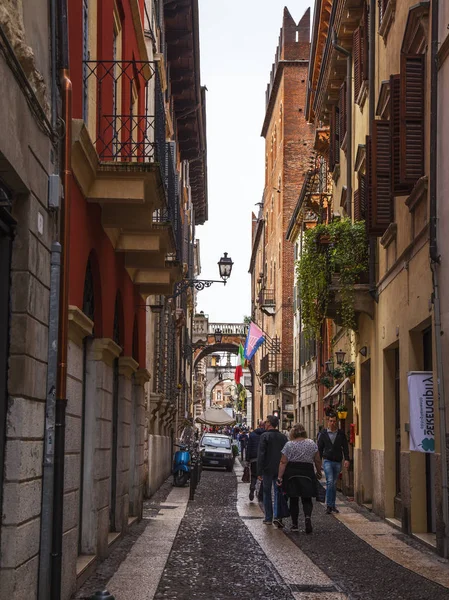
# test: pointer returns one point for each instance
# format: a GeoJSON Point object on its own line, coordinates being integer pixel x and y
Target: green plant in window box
{"type": "Point", "coordinates": [340, 262]}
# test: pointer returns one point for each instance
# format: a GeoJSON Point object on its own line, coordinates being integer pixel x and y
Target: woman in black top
{"type": "Point", "coordinates": [297, 476]}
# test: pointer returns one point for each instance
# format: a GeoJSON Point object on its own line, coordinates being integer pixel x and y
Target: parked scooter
{"type": "Point", "coordinates": [181, 465]}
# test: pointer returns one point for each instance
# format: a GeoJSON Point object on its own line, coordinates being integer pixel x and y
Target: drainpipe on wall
{"type": "Point", "coordinates": [61, 382]}
{"type": "Point", "coordinates": [49, 437]}
{"type": "Point", "coordinates": [348, 55]}
{"type": "Point", "coordinates": [371, 113]}
{"type": "Point", "coordinates": [434, 263]}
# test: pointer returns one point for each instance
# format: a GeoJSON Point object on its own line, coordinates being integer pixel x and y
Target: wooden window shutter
{"type": "Point", "coordinates": [357, 207]}
{"type": "Point", "coordinates": [362, 192]}
{"type": "Point", "coordinates": [360, 200]}
{"type": "Point", "coordinates": [397, 188]}
{"type": "Point", "coordinates": [334, 141]}
{"type": "Point", "coordinates": [412, 118]}
{"type": "Point", "coordinates": [368, 189]}
{"type": "Point", "coordinates": [342, 111]}
{"type": "Point", "coordinates": [357, 54]}
{"type": "Point", "coordinates": [365, 42]}
{"type": "Point", "coordinates": [381, 205]}
{"type": "Point", "coordinates": [332, 133]}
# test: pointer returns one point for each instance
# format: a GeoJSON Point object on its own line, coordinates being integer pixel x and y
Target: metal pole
{"type": "Point", "coordinates": [49, 441]}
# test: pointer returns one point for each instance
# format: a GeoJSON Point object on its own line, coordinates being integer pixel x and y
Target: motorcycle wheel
{"type": "Point", "coordinates": [180, 478]}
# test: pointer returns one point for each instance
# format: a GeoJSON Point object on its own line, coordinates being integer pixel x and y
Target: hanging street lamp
{"type": "Point", "coordinates": [224, 267]}
{"type": "Point", "coordinates": [340, 356]}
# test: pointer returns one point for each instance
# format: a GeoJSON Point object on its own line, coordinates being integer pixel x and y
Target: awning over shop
{"type": "Point", "coordinates": [337, 389]}
{"type": "Point", "coordinates": [215, 416]}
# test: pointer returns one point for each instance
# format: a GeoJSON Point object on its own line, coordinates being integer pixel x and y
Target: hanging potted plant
{"type": "Point", "coordinates": [348, 369]}
{"type": "Point", "coordinates": [337, 374]}
{"type": "Point", "coordinates": [342, 411]}
{"type": "Point", "coordinates": [326, 380]}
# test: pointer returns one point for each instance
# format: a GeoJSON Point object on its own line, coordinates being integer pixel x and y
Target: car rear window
{"type": "Point", "coordinates": [216, 441]}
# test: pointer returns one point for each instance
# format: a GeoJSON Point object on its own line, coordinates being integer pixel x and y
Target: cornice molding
{"type": "Point", "coordinates": [105, 350]}
{"type": "Point", "coordinates": [418, 193]}
{"type": "Point", "coordinates": [127, 366]}
{"type": "Point", "coordinates": [142, 376]}
{"type": "Point", "coordinates": [80, 326]}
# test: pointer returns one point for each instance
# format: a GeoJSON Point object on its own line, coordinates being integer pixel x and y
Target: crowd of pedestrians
{"type": "Point", "coordinates": [287, 470]}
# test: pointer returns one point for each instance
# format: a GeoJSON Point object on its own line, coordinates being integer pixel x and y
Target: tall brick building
{"type": "Point", "coordinates": [288, 140]}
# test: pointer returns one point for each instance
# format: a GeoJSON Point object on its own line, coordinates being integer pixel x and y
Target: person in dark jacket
{"type": "Point", "coordinates": [251, 456]}
{"type": "Point", "coordinates": [243, 441]}
{"type": "Point", "coordinates": [333, 447]}
{"type": "Point", "coordinates": [268, 459]}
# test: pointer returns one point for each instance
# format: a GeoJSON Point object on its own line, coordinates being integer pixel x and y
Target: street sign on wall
{"type": "Point", "coordinates": [422, 411]}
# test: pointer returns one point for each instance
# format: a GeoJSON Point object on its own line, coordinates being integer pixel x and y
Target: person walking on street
{"type": "Point", "coordinates": [243, 439]}
{"type": "Point", "coordinates": [333, 447]}
{"type": "Point", "coordinates": [251, 456]}
{"type": "Point", "coordinates": [268, 458]}
{"type": "Point", "coordinates": [296, 474]}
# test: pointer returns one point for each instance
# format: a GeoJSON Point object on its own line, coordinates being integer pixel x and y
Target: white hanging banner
{"type": "Point", "coordinates": [422, 411]}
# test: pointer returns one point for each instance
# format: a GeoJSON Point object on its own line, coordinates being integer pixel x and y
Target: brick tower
{"type": "Point", "coordinates": [288, 141]}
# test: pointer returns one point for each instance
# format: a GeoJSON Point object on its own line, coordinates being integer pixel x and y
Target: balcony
{"type": "Point", "coordinates": [270, 366]}
{"type": "Point", "coordinates": [363, 300]}
{"type": "Point", "coordinates": [267, 302]}
{"type": "Point", "coordinates": [121, 160]}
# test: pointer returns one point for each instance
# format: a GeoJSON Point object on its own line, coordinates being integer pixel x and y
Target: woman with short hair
{"type": "Point", "coordinates": [296, 474]}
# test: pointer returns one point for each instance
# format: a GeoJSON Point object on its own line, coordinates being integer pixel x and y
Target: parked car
{"type": "Point", "coordinates": [216, 451]}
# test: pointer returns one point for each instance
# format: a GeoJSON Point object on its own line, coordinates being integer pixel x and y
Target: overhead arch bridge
{"type": "Point", "coordinates": [209, 338]}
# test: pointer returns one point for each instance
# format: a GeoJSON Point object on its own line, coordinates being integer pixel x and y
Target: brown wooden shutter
{"type": "Point", "coordinates": [362, 192]}
{"type": "Point", "coordinates": [381, 212]}
{"type": "Point", "coordinates": [360, 199]}
{"type": "Point", "coordinates": [334, 139]}
{"type": "Point", "coordinates": [357, 207]}
{"type": "Point", "coordinates": [412, 118]}
{"type": "Point", "coordinates": [342, 111]}
{"type": "Point", "coordinates": [368, 195]}
{"type": "Point", "coordinates": [365, 42]}
{"type": "Point", "coordinates": [332, 133]}
{"type": "Point", "coordinates": [397, 188]}
{"type": "Point", "coordinates": [357, 54]}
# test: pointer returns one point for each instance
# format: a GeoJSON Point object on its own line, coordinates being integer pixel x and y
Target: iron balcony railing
{"type": "Point", "coordinates": [267, 298]}
{"type": "Point", "coordinates": [129, 110]}
{"type": "Point", "coordinates": [270, 363]}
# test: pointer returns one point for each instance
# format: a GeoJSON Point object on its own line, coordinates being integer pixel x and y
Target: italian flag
{"type": "Point", "coordinates": [240, 364]}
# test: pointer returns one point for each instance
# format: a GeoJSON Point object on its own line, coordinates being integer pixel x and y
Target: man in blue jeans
{"type": "Point", "coordinates": [333, 446]}
{"type": "Point", "coordinates": [268, 459]}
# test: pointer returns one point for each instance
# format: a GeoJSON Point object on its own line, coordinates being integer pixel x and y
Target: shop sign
{"type": "Point", "coordinates": [422, 411]}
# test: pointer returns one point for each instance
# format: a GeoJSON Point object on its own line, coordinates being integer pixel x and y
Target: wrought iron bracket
{"type": "Point", "coordinates": [189, 349]}
{"type": "Point", "coordinates": [198, 284]}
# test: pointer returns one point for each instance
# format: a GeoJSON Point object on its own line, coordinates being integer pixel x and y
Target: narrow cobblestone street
{"type": "Point", "coordinates": [216, 548]}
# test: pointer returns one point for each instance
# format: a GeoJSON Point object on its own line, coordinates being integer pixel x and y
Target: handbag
{"type": "Point", "coordinates": [320, 492]}
{"type": "Point", "coordinates": [246, 477]}
{"type": "Point", "coordinates": [283, 509]}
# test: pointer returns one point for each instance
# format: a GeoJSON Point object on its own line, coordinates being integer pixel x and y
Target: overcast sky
{"type": "Point", "coordinates": [238, 43]}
